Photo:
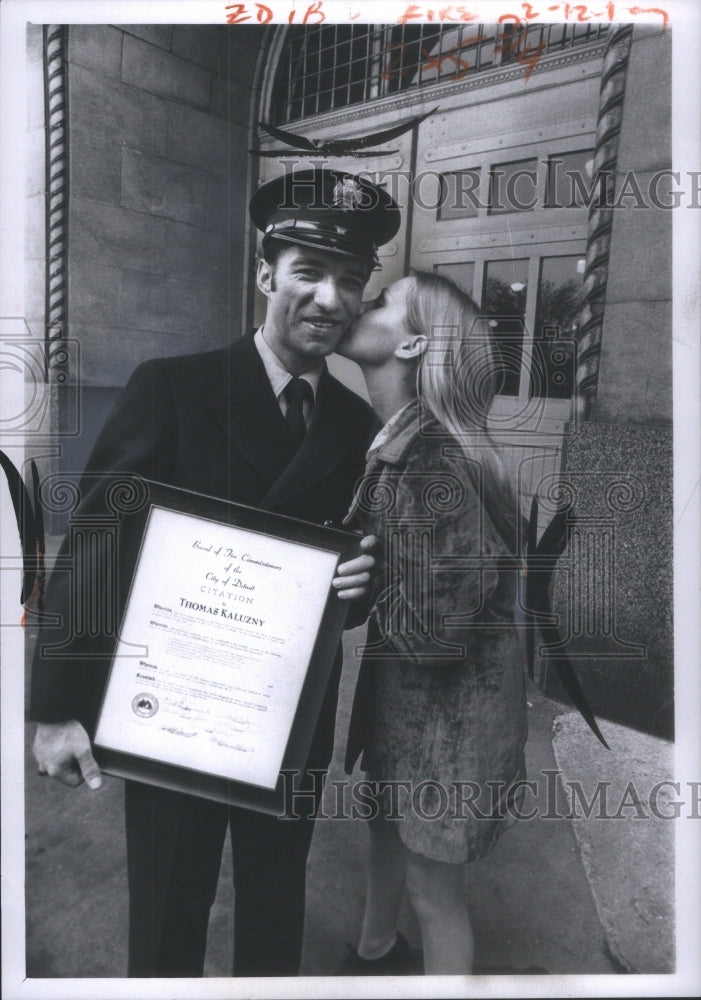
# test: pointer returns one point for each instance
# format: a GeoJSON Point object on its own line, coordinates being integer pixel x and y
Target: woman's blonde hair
{"type": "Point", "coordinates": [457, 381]}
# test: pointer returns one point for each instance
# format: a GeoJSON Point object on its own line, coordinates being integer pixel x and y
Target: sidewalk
{"type": "Point", "coordinates": [557, 895]}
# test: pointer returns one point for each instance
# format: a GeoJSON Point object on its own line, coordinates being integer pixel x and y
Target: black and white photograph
{"type": "Point", "coordinates": [350, 411]}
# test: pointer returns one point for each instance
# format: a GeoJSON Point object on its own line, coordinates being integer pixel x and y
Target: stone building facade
{"type": "Point", "coordinates": [137, 245]}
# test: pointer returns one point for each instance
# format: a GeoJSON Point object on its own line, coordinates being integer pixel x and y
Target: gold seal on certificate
{"type": "Point", "coordinates": [226, 642]}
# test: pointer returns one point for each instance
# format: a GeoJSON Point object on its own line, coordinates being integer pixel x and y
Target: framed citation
{"type": "Point", "coordinates": [227, 640]}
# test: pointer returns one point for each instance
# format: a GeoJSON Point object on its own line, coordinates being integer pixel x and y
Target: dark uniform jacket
{"type": "Point", "coordinates": [209, 423]}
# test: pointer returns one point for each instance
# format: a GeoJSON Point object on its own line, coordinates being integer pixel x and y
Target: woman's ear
{"type": "Point", "coordinates": [264, 277]}
{"type": "Point", "coordinates": [412, 347]}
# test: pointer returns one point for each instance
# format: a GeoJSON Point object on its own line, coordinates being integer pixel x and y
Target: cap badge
{"type": "Point", "coordinates": [347, 195]}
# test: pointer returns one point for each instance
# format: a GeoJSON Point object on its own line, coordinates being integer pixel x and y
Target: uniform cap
{"type": "Point", "coordinates": [326, 209]}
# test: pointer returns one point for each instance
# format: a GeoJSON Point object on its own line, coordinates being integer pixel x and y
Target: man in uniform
{"type": "Point", "coordinates": [262, 423]}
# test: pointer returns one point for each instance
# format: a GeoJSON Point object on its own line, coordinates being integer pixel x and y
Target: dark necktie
{"type": "Point", "coordinates": [295, 392]}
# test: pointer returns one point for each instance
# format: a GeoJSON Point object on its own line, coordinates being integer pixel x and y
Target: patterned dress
{"type": "Point", "coordinates": [440, 707]}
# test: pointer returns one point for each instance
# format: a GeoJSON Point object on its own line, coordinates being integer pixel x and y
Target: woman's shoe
{"type": "Point", "coordinates": [400, 960]}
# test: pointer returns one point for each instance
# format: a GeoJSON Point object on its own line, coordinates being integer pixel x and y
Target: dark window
{"type": "Point", "coordinates": [569, 183]}
{"type": "Point", "coordinates": [513, 187]}
{"type": "Point", "coordinates": [504, 301]}
{"type": "Point", "coordinates": [459, 194]}
{"type": "Point", "coordinates": [463, 274]}
{"type": "Point", "coordinates": [560, 294]}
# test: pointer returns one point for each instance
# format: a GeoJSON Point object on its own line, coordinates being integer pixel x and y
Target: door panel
{"type": "Point", "coordinates": [501, 238]}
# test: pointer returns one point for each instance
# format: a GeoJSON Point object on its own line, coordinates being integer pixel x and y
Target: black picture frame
{"type": "Point", "coordinates": [328, 630]}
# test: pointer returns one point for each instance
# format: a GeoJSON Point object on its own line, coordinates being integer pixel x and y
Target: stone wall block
{"type": "Point", "coordinates": [93, 292]}
{"type": "Point", "coordinates": [114, 352]}
{"type": "Point", "coordinates": [159, 72]}
{"type": "Point", "coordinates": [231, 98]}
{"type": "Point", "coordinates": [635, 376]}
{"type": "Point", "coordinates": [158, 209]}
{"type": "Point", "coordinates": [97, 47]}
{"type": "Point", "coordinates": [239, 140]}
{"type": "Point", "coordinates": [35, 229]}
{"type": "Point", "coordinates": [35, 44]}
{"type": "Point", "coordinates": [96, 167]}
{"type": "Point", "coordinates": [243, 45]}
{"type": "Point", "coordinates": [118, 238]}
{"type": "Point", "coordinates": [35, 293]}
{"type": "Point", "coordinates": [156, 34]}
{"type": "Point", "coordinates": [169, 305]}
{"type": "Point", "coordinates": [227, 204]}
{"type": "Point", "coordinates": [35, 115]}
{"type": "Point", "coordinates": [35, 78]}
{"type": "Point", "coordinates": [642, 243]}
{"type": "Point", "coordinates": [220, 318]}
{"type": "Point", "coordinates": [203, 44]}
{"type": "Point", "coordinates": [226, 207]}
{"type": "Point", "coordinates": [197, 139]}
{"type": "Point", "coordinates": [125, 115]}
{"type": "Point", "coordinates": [155, 185]}
{"type": "Point", "coordinates": [137, 241]}
{"type": "Point", "coordinates": [217, 201]}
{"type": "Point", "coordinates": [647, 114]}
{"type": "Point", "coordinates": [35, 173]}
{"type": "Point", "coordinates": [188, 250]}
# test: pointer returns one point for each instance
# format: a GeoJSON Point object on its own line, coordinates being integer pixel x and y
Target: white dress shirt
{"type": "Point", "coordinates": [278, 376]}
